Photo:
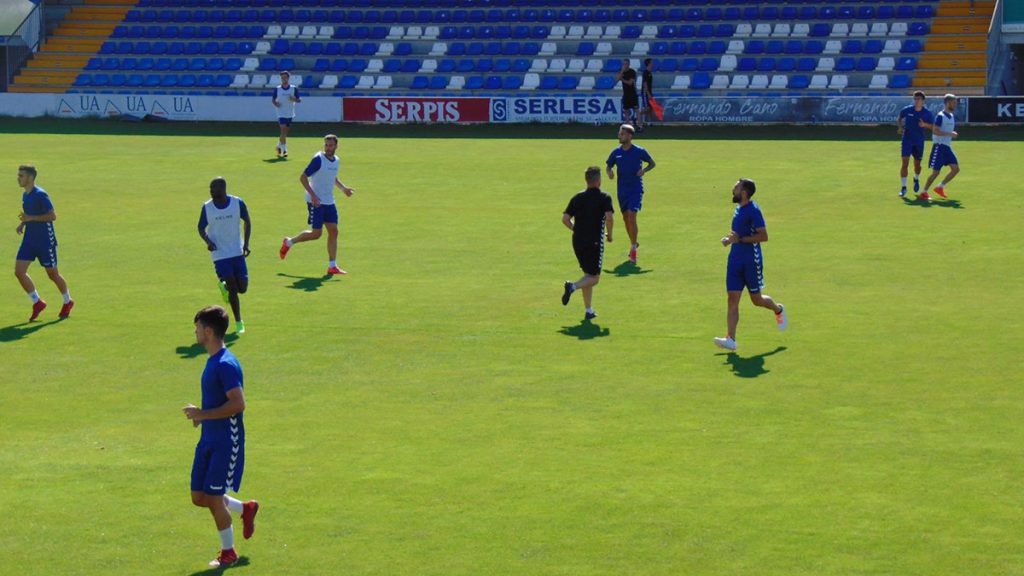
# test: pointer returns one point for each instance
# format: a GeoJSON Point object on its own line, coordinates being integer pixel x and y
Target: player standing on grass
{"type": "Point", "coordinates": [630, 160]}
{"type": "Point", "coordinates": [38, 242]}
{"type": "Point", "coordinates": [745, 261]}
{"type": "Point", "coordinates": [911, 123]}
{"type": "Point", "coordinates": [646, 94]}
{"type": "Point", "coordinates": [220, 453]}
{"type": "Point", "coordinates": [220, 226]}
{"type": "Point", "coordinates": [319, 180]}
{"type": "Point", "coordinates": [590, 217]}
{"type": "Point", "coordinates": [284, 98]}
{"type": "Point", "coordinates": [943, 132]}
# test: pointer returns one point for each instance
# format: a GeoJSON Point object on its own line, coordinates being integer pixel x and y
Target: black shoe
{"type": "Point", "coordinates": [567, 293]}
{"type": "Point", "coordinates": [590, 315]}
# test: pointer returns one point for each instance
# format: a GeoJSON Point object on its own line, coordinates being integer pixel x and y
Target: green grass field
{"type": "Point", "coordinates": [438, 412]}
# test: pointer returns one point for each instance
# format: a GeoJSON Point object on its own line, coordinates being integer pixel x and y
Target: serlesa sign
{"type": "Point", "coordinates": [555, 109]}
{"type": "Point", "coordinates": [429, 110]}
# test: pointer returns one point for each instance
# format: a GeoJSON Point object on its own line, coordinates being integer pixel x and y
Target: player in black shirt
{"type": "Point", "coordinates": [630, 102]}
{"type": "Point", "coordinates": [590, 217]}
{"type": "Point", "coordinates": [647, 94]}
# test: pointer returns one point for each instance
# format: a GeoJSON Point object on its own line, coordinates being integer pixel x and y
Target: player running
{"type": "Point", "coordinates": [630, 160]}
{"type": "Point", "coordinates": [285, 97]}
{"type": "Point", "coordinates": [590, 216]}
{"type": "Point", "coordinates": [943, 132]}
{"type": "Point", "coordinates": [38, 243]}
{"type": "Point", "coordinates": [220, 453]}
{"type": "Point", "coordinates": [630, 102]}
{"type": "Point", "coordinates": [220, 226]}
{"type": "Point", "coordinates": [912, 121]}
{"type": "Point", "coordinates": [745, 261]}
{"type": "Point", "coordinates": [319, 180]}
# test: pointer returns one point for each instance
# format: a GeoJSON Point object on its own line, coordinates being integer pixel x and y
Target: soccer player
{"type": "Point", "coordinates": [630, 160]}
{"type": "Point", "coordinates": [910, 124]}
{"type": "Point", "coordinates": [38, 243]}
{"type": "Point", "coordinates": [630, 103]}
{"type": "Point", "coordinates": [590, 217]}
{"type": "Point", "coordinates": [285, 98]}
{"type": "Point", "coordinates": [748, 231]}
{"type": "Point", "coordinates": [319, 179]}
{"type": "Point", "coordinates": [220, 453]}
{"type": "Point", "coordinates": [943, 132]}
{"type": "Point", "coordinates": [647, 91]}
{"type": "Point", "coordinates": [220, 226]}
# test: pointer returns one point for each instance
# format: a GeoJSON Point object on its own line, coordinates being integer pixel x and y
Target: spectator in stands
{"type": "Point", "coordinates": [647, 93]}
{"type": "Point", "coordinates": [38, 242]}
{"type": "Point", "coordinates": [943, 132]}
{"type": "Point", "coordinates": [285, 98]}
{"type": "Point", "coordinates": [910, 127]}
{"type": "Point", "coordinates": [630, 102]}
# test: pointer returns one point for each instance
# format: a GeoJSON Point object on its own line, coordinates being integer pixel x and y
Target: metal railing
{"type": "Point", "coordinates": [22, 43]}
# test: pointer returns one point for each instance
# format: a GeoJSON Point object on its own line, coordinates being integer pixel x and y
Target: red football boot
{"type": "Point", "coordinates": [65, 310]}
{"type": "Point", "coordinates": [284, 248]}
{"type": "Point", "coordinates": [941, 192]}
{"type": "Point", "coordinates": [249, 510]}
{"type": "Point", "coordinates": [225, 558]}
{"type": "Point", "coordinates": [37, 309]}
{"type": "Point", "coordinates": [334, 270]}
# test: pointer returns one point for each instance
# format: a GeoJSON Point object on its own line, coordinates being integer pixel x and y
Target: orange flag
{"type": "Point", "coordinates": [659, 111]}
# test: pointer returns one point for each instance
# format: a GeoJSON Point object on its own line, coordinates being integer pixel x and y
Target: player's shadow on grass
{"type": "Point", "coordinates": [934, 203]}
{"type": "Point", "coordinates": [275, 160]}
{"type": "Point", "coordinates": [585, 330]}
{"type": "Point", "coordinates": [19, 331]}
{"type": "Point", "coordinates": [751, 366]}
{"type": "Point", "coordinates": [186, 352]}
{"type": "Point", "coordinates": [242, 562]}
{"type": "Point", "coordinates": [307, 283]}
{"type": "Point", "coordinates": [628, 268]}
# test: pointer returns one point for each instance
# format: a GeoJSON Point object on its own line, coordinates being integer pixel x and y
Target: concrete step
{"type": "Point", "coordinates": [38, 88]}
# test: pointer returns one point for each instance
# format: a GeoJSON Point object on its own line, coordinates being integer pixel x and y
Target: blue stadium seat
{"type": "Point", "coordinates": [322, 65]}
{"type": "Point", "coordinates": [700, 81]}
{"type": "Point", "coordinates": [677, 48]}
{"type": "Point", "coordinates": [799, 81]}
{"type": "Point", "coordinates": [853, 47]}
{"type": "Point", "coordinates": [474, 83]}
{"type": "Point", "coordinates": [766, 65]}
{"type": "Point", "coordinates": [821, 30]}
{"type": "Point", "coordinates": [612, 65]}
{"type": "Point", "coordinates": [754, 47]}
{"type": "Point", "coordinates": [806, 64]}
{"type": "Point", "coordinates": [774, 47]}
{"type": "Point", "coordinates": [332, 49]}
{"type": "Point", "coordinates": [193, 48]}
{"type": "Point", "coordinates": [746, 64]}
{"type": "Point", "coordinates": [530, 49]}
{"type": "Point", "coordinates": [268, 65]}
{"type": "Point", "coordinates": [420, 83]}
{"type": "Point", "coordinates": [403, 49]}
{"type": "Point", "coordinates": [867, 64]}
{"type": "Point", "coordinates": [483, 65]}
{"type": "Point", "coordinates": [904, 12]}
{"type": "Point", "coordinates": [705, 31]}
{"type": "Point", "coordinates": [144, 64]}
{"type": "Point", "coordinates": [348, 82]}
{"type": "Point", "coordinates": [512, 83]}
{"type": "Point", "coordinates": [698, 47]}
{"type": "Point", "coordinates": [151, 81]}
{"type": "Point", "coordinates": [411, 66]}
{"type": "Point", "coordinates": [162, 65]}
{"type": "Point", "coordinates": [357, 65]}
{"type": "Point", "coordinates": [314, 49]}
{"type": "Point", "coordinates": [668, 31]}
{"type": "Point", "coordinates": [568, 82]}
{"type": "Point", "coordinates": [918, 29]}
{"type": "Point", "coordinates": [845, 64]}
{"type": "Point", "coordinates": [502, 65]}
{"type": "Point", "coordinates": [339, 65]}
{"type": "Point", "coordinates": [899, 82]}
{"type": "Point", "coordinates": [170, 32]}
{"type": "Point", "coordinates": [709, 64]}
{"type": "Point", "coordinates": [222, 81]}
{"type": "Point", "coordinates": [725, 31]}
{"type": "Point", "coordinates": [211, 48]}
{"type": "Point", "coordinates": [187, 81]}
{"type": "Point", "coordinates": [520, 65]}
{"type": "Point", "coordinates": [297, 48]}
{"type": "Point", "coordinates": [457, 49]}
{"type": "Point", "coordinates": [667, 65]}
{"type": "Point", "coordinates": [911, 46]}
{"type": "Point", "coordinates": [368, 48]}
{"type": "Point", "coordinates": [814, 47]}
{"type": "Point", "coordinates": [586, 49]}
{"type": "Point", "coordinates": [658, 49]}
{"type": "Point", "coordinates": [712, 14]}
{"type": "Point", "coordinates": [350, 49]}
{"type": "Point", "coordinates": [885, 12]}
{"type": "Point", "coordinates": [493, 83]}
{"type": "Point", "coordinates": [179, 64]}
{"type": "Point", "coordinates": [475, 49]}
{"type": "Point", "coordinates": [135, 81]}
{"type": "Point", "coordinates": [94, 64]}
{"type": "Point", "coordinates": [127, 64]}
{"type": "Point", "coordinates": [117, 80]}
{"type": "Point", "coordinates": [924, 11]}
{"type": "Point", "coordinates": [197, 64]}
{"type": "Point", "coordinates": [605, 83]}
{"type": "Point", "coordinates": [438, 82]}
{"type": "Point", "coordinates": [717, 47]}
{"type": "Point", "coordinates": [204, 81]}
{"type": "Point", "coordinates": [233, 64]}
{"type": "Point", "coordinates": [465, 66]}
{"type": "Point", "coordinates": [628, 33]}
{"type": "Point", "coordinates": [873, 47]}
{"type": "Point", "coordinates": [392, 66]}
{"type": "Point", "coordinates": [786, 65]}
{"type": "Point", "coordinates": [906, 63]}
{"type": "Point", "coordinates": [548, 83]}
{"type": "Point", "coordinates": [687, 65]}
{"type": "Point", "coordinates": [169, 81]}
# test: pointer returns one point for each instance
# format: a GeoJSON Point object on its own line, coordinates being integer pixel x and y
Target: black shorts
{"type": "Point", "coordinates": [590, 255]}
{"type": "Point", "coordinates": [630, 102]}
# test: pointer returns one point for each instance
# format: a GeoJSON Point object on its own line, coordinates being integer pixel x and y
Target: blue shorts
{"type": "Point", "coordinates": [915, 149]}
{"type": "Point", "coordinates": [217, 467]}
{"type": "Point", "coordinates": [324, 213]}
{"type": "Point", "coordinates": [631, 201]}
{"type": "Point", "coordinates": [45, 253]}
{"type": "Point", "coordinates": [942, 155]}
{"type": "Point", "coordinates": [744, 273]}
{"type": "Point", "coordinates": [284, 121]}
{"type": "Point", "coordinates": [232, 268]}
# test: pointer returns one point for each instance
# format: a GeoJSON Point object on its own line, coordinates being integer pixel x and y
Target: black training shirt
{"type": "Point", "coordinates": [587, 210]}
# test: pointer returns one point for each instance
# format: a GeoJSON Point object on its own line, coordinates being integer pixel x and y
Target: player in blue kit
{"type": "Point", "coordinates": [220, 453]}
{"type": "Point", "coordinates": [38, 243]}
{"type": "Point", "coordinates": [630, 160]}
{"type": "Point", "coordinates": [319, 179]}
{"type": "Point", "coordinates": [284, 98]}
{"type": "Point", "coordinates": [943, 132]}
{"type": "Point", "coordinates": [745, 261]}
{"type": "Point", "coordinates": [911, 124]}
{"type": "Point", "coordinates": [220, 226]}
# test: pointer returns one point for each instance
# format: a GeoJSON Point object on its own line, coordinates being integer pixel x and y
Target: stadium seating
{"type": "Point", "coordinates": [500, 46]}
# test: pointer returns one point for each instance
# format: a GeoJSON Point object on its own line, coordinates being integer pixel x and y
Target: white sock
{"type": "Point", "coordinates": [33, 296]}
{"type": "Point", "coordinates": [916, 177]}
{"type": "Point", "coordinates": [943, 184]}
{"type": "Point", "coordinates": [284, 148]}
{"type": "Point", "coordinates": [903, 181]}
{"type": "Point", "coordinates": [288, 242]}
{"type": "Point", "coordinates": [590, 310]}
{"type": "Point", "coordinates": [572, 286]}
{"type": "Point", "coordinates": [233, 504]}
{"type": "Point", "coordinates": [635, 246]}
{"type": "Point", "coordinates": [67, 296]}
{"type": "Point", "coordinates": [332, 263]}
{"type": "Point", "coordinates": [227, 538]}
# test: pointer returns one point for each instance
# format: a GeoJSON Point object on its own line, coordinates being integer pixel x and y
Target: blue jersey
{"type": "Point", "coordinates": [37, 203]}
{"type": "Point", "coordinates": [912, 133]}
{"type": "Point", "coordinates": [629, 163]}
{"type": "Point", "coordinates": [745, 222]}
{"type": "Point", "coordinates": [222, 373]}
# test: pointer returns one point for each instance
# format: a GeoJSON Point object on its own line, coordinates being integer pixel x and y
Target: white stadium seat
{"type": "Point", "coordinates": [262, 47]}
{"type": "Point", "coordinates": [308, 32]}
{"type": "Point", "coordinates": [826, 64]}
{"type": "Point", "coordinates": [375, 65]}
{"type": "Point", "coordinates": [719, 82]}
{"type": "Point", "coordinates": [681, 82]}
{"type": "Point", "coordinates": [886, 64]}
{"type": "Point", "coordinates": [762, 30]}
{"type": "Point", "coordinates": [431, 33]}
{"type": "Point", "coordinates": [898, 29]}
{"type": "Point", "coordinates": [539, 65]}
{"type": "Point", "coordinates": [641, 49]}
{"type": "Point", "coordinates": [740, 82]}
{"type": "Point", "coordinates": [413, 33]}
{"type": "Point", "coordinates": [593, 33]}
{"type": "Point", "coordinates": [819, 82]}
{"type": "Point", "coordinates": [325, 33]}
{"type": "Point", "coordinates": [839, 82]}
{"type": "Point", "coordinates": [329, 82]}
{"type": "Point", "coordinates": [603, 49]}
{"type": "Point", "coordinates": [586, 83]}
{"type": "Point", "coordinates": [612, 32]}
{"type": "Point", "coordinates": [892, 47]}
{"type": "Point", "coordinates": [879, 29]}
{"type": "Point", "coordinates": [365, 83]}
{"type": "Point", "coordinates": [386, 49]}
{"type": "Point", "coordinates": [859, 29]}
{"type": "Point", "coordinates": [735, 47]}
{"type": "Point", "coordinates": [801, 30]}
{"type": "Point", "coordinates": [273, 31]}
{"type": "Point", "coordinates": [879, 81]}
{"type": "Point", "coordinates": [575, 33]}
{"type": "Point", "coordinates": [575, 66]}
{"type": "Point", "coordinates": [258, 81]}
{"type": "Point", "coordinates": [833, 47]}
{"type": "Point", "coordinates": [782, 30]}
{"type": "Point", "coordinates": [840, 30]}
{"type": "Point", "coordinates": [743, 30]}
{"type": "Point", "coordinates": [250, 65]}
{"type": "Point", "coordinates": [779, 82]}
{"type": "Point", "coordinates": [649, 31]}
{"type": "Point", "coordinates": [594, 65]}
{"type": "Point", "coordinates": [383, 83]}
{"type": "Point", "coordinates": [531, 81]}
{"type": "Point", "coordinates": [290, 32]}
{"type": "Point", "coordinates": [438, 49]}
{"type": "Point", "coordinates": [548, 49]}
{"type": "Point", "coordinates": [759, 82]}
{"type": "Point", "coordinates": [557, 33]}
{"type": "Point", "coordinates": [728, 63]}
{"type": "Point", "coordinates": [429, 66]}
{"type": "Point", "coordinates": [240, 81]}
{"type": "Point", "coordinates": [557, 65]}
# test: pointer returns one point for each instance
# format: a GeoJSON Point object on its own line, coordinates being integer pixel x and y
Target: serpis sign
{"type": "Point", "coordinates": [554, 109]}
{"type": "Point", "coordinates": [443, 110]}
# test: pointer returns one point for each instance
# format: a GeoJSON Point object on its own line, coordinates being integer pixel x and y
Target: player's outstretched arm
{"type": "Point", "coordinates": [348, 191]}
